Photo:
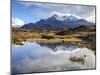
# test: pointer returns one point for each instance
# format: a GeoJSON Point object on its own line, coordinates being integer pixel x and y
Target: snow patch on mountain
{"type": "Point", "coordinates": [64, 16]}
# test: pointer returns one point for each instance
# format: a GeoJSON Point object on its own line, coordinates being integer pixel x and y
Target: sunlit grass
{"type": "Point", "coordinates": [77, 38]}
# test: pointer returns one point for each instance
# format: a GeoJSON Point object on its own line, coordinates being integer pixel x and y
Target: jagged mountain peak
{"type": "Point", "coordinates": [64, 16]}
{"type": "Point", "coordinates": [59, 20]}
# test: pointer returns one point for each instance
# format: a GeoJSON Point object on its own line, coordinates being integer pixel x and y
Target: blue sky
{"type": "Point", "coordinates": [26, 12]}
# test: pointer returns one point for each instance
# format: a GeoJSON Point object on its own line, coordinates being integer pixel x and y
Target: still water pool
{"type": "Point", "coordinates": [35, 57]}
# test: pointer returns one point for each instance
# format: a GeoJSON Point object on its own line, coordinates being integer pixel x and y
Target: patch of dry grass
{"type": "Point", "coordinates": [45, 36]}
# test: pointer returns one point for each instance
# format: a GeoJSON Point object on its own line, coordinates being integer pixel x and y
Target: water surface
{"type": "Point", "coordinates": [39, 57]}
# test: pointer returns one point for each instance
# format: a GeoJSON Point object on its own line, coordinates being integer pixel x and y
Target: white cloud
{"type": "Point", "coordinates": [16, 22]}
{"type": "Point", "coordinates": [63, 14]}
{"type": "Point", "coordinates": [91, 17]}
{"type": "Point", "coordinates": [43, 10]}
{"type": "Point", "coordinates": [58, 13]}
{"type": "Point", "coordinates": [52, 62]}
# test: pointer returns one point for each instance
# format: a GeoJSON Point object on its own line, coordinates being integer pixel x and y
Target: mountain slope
{"type": "Point", "coordinates": [58, 22]}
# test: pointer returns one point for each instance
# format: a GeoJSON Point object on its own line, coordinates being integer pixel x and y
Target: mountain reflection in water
{"type": "Point", "coordinates": [39, 57]}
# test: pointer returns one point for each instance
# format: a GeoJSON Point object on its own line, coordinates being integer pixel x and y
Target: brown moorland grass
{"type": "Point", "coordinates": [81, 39]}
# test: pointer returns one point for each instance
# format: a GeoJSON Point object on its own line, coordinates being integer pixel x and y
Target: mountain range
{"type": "Point", "coordinates": [58, 22]}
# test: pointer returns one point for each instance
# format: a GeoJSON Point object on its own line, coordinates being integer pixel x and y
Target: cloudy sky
{"type": "Point", "coordinates": [26, 12]}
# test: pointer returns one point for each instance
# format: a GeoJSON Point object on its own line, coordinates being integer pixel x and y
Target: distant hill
{"type": "Point", "coordinates": [85, 28]}
{"type": "Point", "coordinates": [29, 26]}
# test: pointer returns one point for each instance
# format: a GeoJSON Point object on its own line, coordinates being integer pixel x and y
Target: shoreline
{"type": "Point", "coordinates": [79, 38]}
{"type": "Point", "coordinates": [80, 44]}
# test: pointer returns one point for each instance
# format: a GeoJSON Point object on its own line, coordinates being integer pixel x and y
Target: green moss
{"type": "Point", "coordinates": [19, 43]}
